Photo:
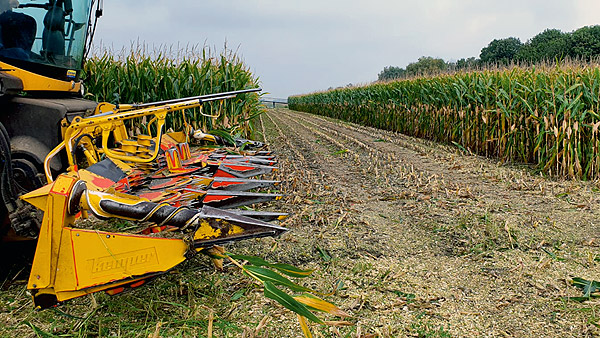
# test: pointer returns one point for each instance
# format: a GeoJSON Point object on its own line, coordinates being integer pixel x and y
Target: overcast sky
{"type": "Point", "coordinates": [298, 47]}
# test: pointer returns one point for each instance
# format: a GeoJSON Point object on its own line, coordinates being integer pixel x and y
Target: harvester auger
{"type": "Point", "coordinates": [154, 180]}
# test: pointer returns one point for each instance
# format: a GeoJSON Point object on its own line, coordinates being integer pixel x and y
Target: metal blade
{"type": "Point", "coordinates": [266, 216]}
{"type": "Point", "coordinates": [241, 184]}
{"type": "Point", "coordinates": [253, 228]}
{"type": "Point", "coordinates": [242, 171]}
{"type": "Point", "coordinates": [232, 199]}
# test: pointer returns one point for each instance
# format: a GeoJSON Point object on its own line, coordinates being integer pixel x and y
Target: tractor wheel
{"type": "Point", "coordinates": [6, 188]}
{"type": "Point", "coordinates": [17, 176]}
{"type": "Point", "coordinates": [27, 219]}
{"type": "Point", "coordinates": [26, 176]}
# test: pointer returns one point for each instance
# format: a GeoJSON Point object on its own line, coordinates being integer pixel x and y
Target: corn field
{"type": "Point", "coordinates": [141, 76]}
{"type": "Point", "coordinates": [545, 116]}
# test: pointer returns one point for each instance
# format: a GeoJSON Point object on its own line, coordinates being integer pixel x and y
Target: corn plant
{"type": "Point", "coordinates": [141, 76]}
{"type": "Point", "coordinates": [545, 115]}
{"type": "Point", "coordinates": [272, 278]}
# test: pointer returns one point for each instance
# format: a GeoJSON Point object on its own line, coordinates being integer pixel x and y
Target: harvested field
{"type": "Point", "coordinates": [432, 242]}
{"type": "Point", "coordinates": [424, 241]}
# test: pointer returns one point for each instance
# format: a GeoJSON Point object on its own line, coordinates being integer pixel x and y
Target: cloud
{"type": "Point", "coordinates": [297, 47]}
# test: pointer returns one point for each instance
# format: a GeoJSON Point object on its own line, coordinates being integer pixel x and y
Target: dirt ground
{"type": "Point", "coordinates": [429, 241]}
{"type": "Point", "coordinates": [421, 240]}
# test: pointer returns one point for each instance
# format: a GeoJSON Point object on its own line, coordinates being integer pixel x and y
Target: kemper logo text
{"type": "Point", "coordinates": [125, 261]}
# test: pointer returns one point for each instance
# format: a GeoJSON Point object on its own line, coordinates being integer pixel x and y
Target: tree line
{"type": "Point", "coordinates": [550, 45]}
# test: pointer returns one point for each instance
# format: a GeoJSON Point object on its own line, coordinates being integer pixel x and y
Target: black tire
{"type": "Point", "coordinates": [26, 176]}
{"type": "Point", "coordinates": [18, 176]}
{"type": "Point", "coordinates": [7, 193]}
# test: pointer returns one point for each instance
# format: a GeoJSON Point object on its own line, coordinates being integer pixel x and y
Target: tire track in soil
{"type": "Point", "coordinates": [314, 168]}
{"type": "Point", "coordinates": [342, 202]}
{"type": "Point", "coordinates": [469, 238]}
{"type": "Point", "coordinates": [470, 180]}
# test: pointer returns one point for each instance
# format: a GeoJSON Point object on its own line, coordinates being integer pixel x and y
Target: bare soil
{"type": "Point", "coordinates": [429, 241]}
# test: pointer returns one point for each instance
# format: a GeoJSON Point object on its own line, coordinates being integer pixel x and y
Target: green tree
{"type": "Point", "coordinates": [501, 51]}
{"type": "Point", "coordinates": [390, 73]}
{"type": "Point", "coordinates": [469, 63]}
{"type": "Point", "coordinates": [550, 44]}
{"type": "Point", "coordinates": [585, 42]}
{"type": "Point", "coordinates": [426, 65]}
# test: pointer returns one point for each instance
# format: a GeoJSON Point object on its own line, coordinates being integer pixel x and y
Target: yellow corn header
{"type": "Point", "coordinates": [184, 200]}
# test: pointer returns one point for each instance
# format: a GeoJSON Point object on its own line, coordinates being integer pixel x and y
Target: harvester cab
{"type": "Point", "coordinates": [42, 50]}
{"type": "Point", "coordinates": [43, 43]}
{"type": "Point", "coordinates": [78, 162]}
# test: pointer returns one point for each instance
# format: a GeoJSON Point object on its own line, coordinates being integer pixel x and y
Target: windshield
{"type": "Point", "coordinates": [49, 32]}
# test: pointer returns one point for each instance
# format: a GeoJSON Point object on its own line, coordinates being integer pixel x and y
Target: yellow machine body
{"type": "Point", "coordinates": [71, 262]}
{"type": "Point", "coordinates": [108, 123]}
{"type": "Point", "coordinates": [34, 82]}
{"type": "Point", "coordinates": [91, 260]}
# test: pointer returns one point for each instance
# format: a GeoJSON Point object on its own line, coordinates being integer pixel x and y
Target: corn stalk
{"type": "Point", "coordinates": [547, 116]}
{"type": "Point", "coordinates": [140, 76]}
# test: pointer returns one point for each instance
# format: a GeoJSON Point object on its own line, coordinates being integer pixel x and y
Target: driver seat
{"type": "Point", "coordinates": [17, 34]}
